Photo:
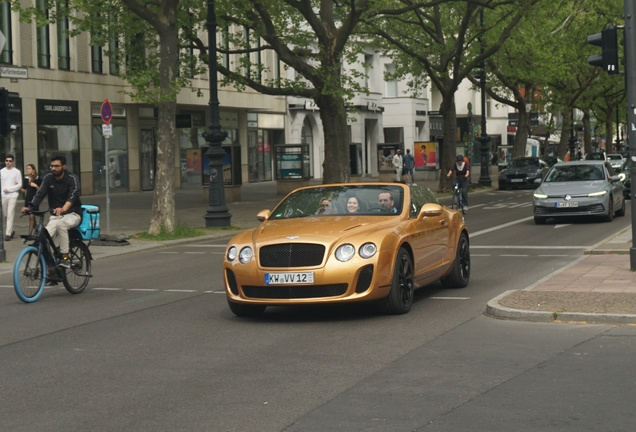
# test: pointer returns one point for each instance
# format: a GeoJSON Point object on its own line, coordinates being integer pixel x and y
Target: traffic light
{"type": "Point", "coordinates": [607, 40]}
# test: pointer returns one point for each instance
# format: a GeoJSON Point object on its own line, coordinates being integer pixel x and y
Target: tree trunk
{"type": "Point", "coordinates": [334, 122]}
{"type": "Point", "coordinates": [565, 135]}
{"type": "Point", "coordinates": [521, 137]}
{"type": "Point", "coordinates": [163, 212]}
{"type": "Point", "coordinates": [609, 136]}
{"type": "Point", "coordinates": [449, 147]}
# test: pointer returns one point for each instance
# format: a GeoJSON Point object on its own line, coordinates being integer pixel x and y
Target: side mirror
{"type": "Point", "coordinates": [538, 181]}
{"type": "Point", "coordinates": [263, 215]}
{"type": "Point", "coordinates": [430, 210]}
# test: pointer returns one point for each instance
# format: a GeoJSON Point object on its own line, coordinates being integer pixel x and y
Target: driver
{"type": "Point", "coordinates": [385, 200]}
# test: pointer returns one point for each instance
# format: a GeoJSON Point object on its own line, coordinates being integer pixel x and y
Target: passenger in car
{"type": "Point", "coordinates": [353, 205]}
{"type": "Point", "coordinates": [326, 207]}
{"type": "Point", "coordinates": [385, 200]}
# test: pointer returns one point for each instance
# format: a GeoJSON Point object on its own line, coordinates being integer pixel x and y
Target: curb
{"type": "Point", "coordinates": [495, 310]}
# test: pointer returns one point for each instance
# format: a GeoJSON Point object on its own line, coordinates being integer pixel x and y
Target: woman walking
{"type": "Point", "coordinates": [30, 185]}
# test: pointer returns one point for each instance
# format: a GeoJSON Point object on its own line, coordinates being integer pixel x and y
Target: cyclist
{"type": "Point", "coordinates": [63, 190]}
{"type": "Point", "coordinates": [461, 168]}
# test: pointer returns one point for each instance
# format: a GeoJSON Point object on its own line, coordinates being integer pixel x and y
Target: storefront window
{"type": "Point", "coordinates": [58, 134]}
{"type": "Point", "coordinates": [190, 143]}
{"type": "Point", "coordinates": [111, 170]}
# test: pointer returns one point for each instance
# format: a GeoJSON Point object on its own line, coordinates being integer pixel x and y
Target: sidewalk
{"type": "Point", "coordinates": [599, 287]}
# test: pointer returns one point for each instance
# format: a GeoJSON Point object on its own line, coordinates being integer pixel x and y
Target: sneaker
{"type": "Point", "coordinates": [7, 238]}
{"type": "Point", "coordinates": [65, 263]}
{"type": "Point", "coordinates": [414, 184]}
{"type": "Point", "coordinates": [12, 234]}
{"type": "Point", "coordinates": [465, 208]}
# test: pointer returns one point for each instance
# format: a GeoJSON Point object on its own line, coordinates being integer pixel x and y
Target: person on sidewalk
{"type": "Point", "coordinates": [11, 179]}
{"type": "Point", "coordinates": [30, 186]}
{"type": "Point", "coordinates": [398, 165]}
{"type": "Point", "coordinates": [63, 190]}
{"type": "Point", "coordinates": [409, 163]}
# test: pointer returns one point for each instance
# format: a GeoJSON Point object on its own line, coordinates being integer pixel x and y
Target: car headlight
{"type": "Point", "coordinates": [246, 255]}
{"type": "Point", "coordinates": [597, 194]}
{"type": "Point", "coordinates": [367, 250]}
{"type": "Point", "coordinates": [540, 196]}
{"type": "Point", "coordinates": [345, 252]}
{"type": "Point", "coordinates": [231, 254]}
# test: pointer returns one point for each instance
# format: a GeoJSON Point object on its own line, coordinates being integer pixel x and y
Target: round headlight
{"type": "Point", "coordinates": [367, 250]}
{"type": "Point", "coordinates": [231, 254]}
{"type": "Point", "coordinates": [345, 252]}
{"type": "Point", "coordinates": [246, 255]}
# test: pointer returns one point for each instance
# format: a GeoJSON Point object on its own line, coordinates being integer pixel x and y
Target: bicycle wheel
{"type": "Point", "coordinates": [455, 204]}
{"type": "Point", "coordinates": [76, 278]}
{"type": "Point", "coordinates": [29, 275]}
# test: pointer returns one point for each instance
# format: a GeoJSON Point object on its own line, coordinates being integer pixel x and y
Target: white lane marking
{"type": "Point", "coordinates": [449, 298]}
{"type": "Point", "coordinates": [184, 291]}
{"type": "Point", "coordinates": [498, 227]}
{"type": "Point", "coordinates": [475, 206]}
{"type": "Point", "coordinates": [553, 255]}
{"type": "Point", "coordinates": [528, 247]}
{"type": "Point", "coordinates": [169, 252]}
{"type": "Point", "coordinates": [195, 253]}
{"type": "Point", "coordinates": [142, 289]}
{"type": "Point", "coordinates": [561, 226]}
{"type": "Point", "coordinates": [474, 255]}
{"type": "Point", "coordinates": [513, 255]}
{"type": "Point", "coordinates": [217, 292]}
{"type": "Point", "coordinates": [106, 289]}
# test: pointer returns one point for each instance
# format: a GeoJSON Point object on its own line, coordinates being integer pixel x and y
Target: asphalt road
{"type": "Point", "coordinates": [152, 345]}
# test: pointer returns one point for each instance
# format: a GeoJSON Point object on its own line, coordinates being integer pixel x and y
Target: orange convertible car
{"type": "Point", "coordinates": [347, 243]}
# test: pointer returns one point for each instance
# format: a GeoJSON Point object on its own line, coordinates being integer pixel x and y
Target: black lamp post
{"type": "Point", "coordinates": [484, 139]}
{"type": "Point", "coordinates": [216, 214]}
{"type": "Point", "coordinates": [572, 139]}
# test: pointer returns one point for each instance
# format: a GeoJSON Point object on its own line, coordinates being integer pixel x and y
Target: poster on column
{"type": "Point", "coordinates": [425, 153]}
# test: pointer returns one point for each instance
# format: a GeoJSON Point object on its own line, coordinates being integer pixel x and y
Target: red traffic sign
{"type": "Point", "coordinates": [107, 112]}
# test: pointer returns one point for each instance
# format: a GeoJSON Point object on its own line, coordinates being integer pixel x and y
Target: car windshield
{"type": "Point", "coordinates": [523, 163]}
{"type": "Point", "coordinates": [594, 156]}
{"type": "Point", "coordinates": [570, 173]}
{"type": "Point", "coordinates": [615, 157]}
{"type": "Point", "coordinates": [341, 201]}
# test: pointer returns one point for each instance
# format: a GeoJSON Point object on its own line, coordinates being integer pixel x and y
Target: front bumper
{"type": "Point", "coordinates": [586, 207]}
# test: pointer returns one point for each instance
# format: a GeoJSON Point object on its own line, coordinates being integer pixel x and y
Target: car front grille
{"type": "Point", "coordinates": [364, 279]}
{"type": "Point", "coordinates": [294, 291]}
{"type": "Point", "coordinates": [594, 208]}
{"type": "Point", "coordinates": [291, 255]}
{"type": "Point", "coordinates": [517, 175]}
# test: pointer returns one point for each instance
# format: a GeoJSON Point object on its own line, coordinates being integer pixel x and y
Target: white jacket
{"type": "Point", "coordinates": [11, 180]}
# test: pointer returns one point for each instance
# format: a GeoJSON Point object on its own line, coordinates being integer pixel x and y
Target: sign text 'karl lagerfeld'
{"type": "Point", "coordinates": [58, 108]}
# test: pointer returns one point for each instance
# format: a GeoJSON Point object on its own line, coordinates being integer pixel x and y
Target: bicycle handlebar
{"type": "Point", "coordinates": [38, 212]}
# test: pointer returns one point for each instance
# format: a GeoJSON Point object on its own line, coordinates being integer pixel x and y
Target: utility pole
{"type": "Point", "coordinates": [630, 88]}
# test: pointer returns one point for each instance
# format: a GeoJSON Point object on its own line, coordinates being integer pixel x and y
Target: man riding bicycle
{"type": "Point", "coordinates": [461, 169]}
{"type": "Point", "coordinates": [63, 190]}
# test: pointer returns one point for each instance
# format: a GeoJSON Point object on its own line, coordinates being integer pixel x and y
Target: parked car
{"type": "Point", "coordinates": [310, 250]}
{"type": "Point", "coordinates": [551, 160]}
{"type": "Point", "coordinates": [596, 156]}
{"type": "Point", "coordinates": [579, 188]}
{"type": "Point", "coordinates": [616, 161]}
{"type": "Point", "coordinates": [522, 172]}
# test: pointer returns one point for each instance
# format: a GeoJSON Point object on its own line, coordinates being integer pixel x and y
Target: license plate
{"type": "Point", "coordinates": [566, 204]}
{"type": "Point", "coordinates": [516, 180]}
{"type": "Point", "coordinates": [289, 278]}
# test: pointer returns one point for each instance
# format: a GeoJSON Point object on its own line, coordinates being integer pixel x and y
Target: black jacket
{"type": "Point", "coordinates": [67, 189]}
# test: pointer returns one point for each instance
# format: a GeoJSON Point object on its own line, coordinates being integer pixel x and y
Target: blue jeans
{"type": "Point", "coordinates": [463, 185]}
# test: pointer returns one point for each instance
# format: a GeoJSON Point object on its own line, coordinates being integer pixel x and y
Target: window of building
{"type": "Point", "coordinates": [225, 57]}
{"type": "Point", "coordinates": [368, 68]}
{"type": "Point", "coordinates": [96, 59]}
{"type": "Point", "coordinates": [389, 81]}
{"type": "Point", "coordinates": [58, 134]}
{"type": "Point", "coordinates": [44, 49]}
{"type": "Point", "coordinates": [113, 67]}
{"type": "Point", "coordinates": [277, 68]}
{"type": "Point", "coordinates": [63, 49]}
{"type": "Point", "coordinates": [6, 56]}
{"type": "Point", "coordinates": [394, 135]}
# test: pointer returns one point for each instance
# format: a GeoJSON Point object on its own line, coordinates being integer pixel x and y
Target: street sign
{"type": "Point", "coordinates": [107, 112]}
{"type": "Point", "coordinates": [107, 130]}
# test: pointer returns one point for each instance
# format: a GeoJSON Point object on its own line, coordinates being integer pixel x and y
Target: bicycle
{"type": "Point", "coordinates": [39, 262]}
{"type": "Point", "coordinates": [457, 200]}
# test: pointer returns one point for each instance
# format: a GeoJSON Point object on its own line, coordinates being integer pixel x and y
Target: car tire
{"type": "Point", "coordinates": [502, 187]}
{"type": "Point", "coordinates": [621, 211]}
{"type": "Point", "coordinates": [245, 310]}
{"type": "Point", "coordinates": [400, 297]}
{"type": "Point", "coordinates": [539, 220]}
{"type": "Point", "coordinates": [610, 211]}
{"type": "Point", "coordinates": [460, 275]}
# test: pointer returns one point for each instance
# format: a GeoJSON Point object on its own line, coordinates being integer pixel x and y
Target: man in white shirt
{"type": "Point", "coordinates": [397, 165]}
{"type": "Point", "coordinates": [11, 179]}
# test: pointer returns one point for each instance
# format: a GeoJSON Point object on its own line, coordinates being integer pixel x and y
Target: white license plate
{"type": "Point", "coordinates": [516, 180]}
{"type": "Point", "coordinates": [289, 278]}
{"type": "Point", "coordinates": [566, 204]}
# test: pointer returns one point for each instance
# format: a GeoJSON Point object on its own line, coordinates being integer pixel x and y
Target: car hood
{"type": "Point", "coordinates": [572, 188]}
{"type": "Point", "coordinates": [325, 229]}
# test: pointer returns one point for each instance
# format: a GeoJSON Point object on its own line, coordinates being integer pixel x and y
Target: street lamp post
{"type": "Point", "coordinates": [216, 214]}
{"type": "Point", "coordinates": [484, 139]}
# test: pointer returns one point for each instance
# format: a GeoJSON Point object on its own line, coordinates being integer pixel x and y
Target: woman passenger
{"type": "Point", "coordinates": [353, 205]}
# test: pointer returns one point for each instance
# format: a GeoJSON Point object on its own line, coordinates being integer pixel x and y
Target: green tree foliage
{"type": "Point", "coordinates": [445, 41]}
